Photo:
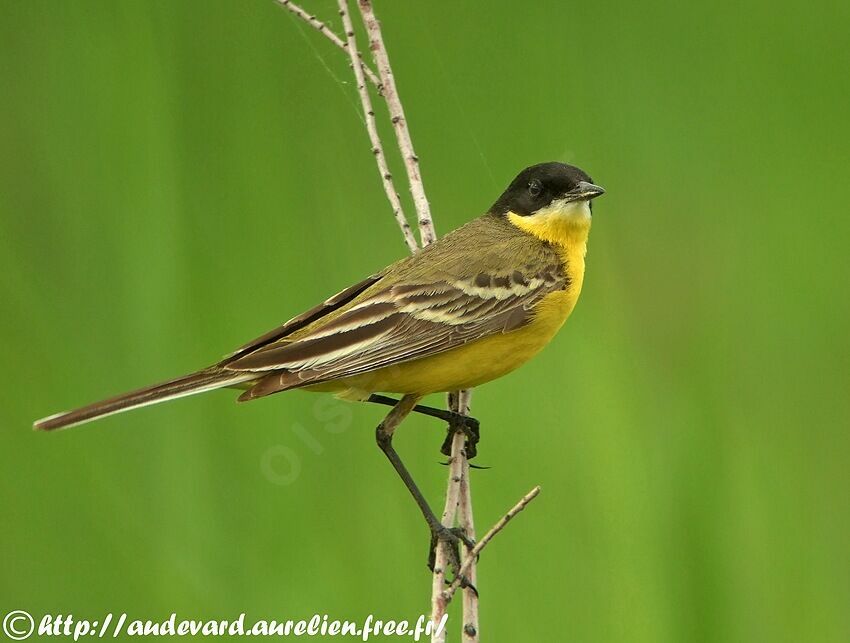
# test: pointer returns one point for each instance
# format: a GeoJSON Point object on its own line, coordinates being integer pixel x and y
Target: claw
{"type": "Point", "coordinates": [471, 466]}
{"type": "Point", "coordinates": [465, 584]}
{"type": "Point", "coordinates": [452, 536]}
{"type": "Point", "coordinates": [467, 425]}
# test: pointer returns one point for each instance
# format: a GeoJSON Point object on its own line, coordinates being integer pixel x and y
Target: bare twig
{"type": "Point", "coordinates": [372, 129]}
{"type": "Point", "coordinates": [439, 600]}
{"type": "Point", "coordinates": [481, 544]}
{"type": "Point", "coordinates": [322, 28]}
{"type": "Point", "coordinates": [466, 522]}
{"type": "Point", "coordinates": [405, 144]}
{"type": "Point", "coordinates": [458, 508]}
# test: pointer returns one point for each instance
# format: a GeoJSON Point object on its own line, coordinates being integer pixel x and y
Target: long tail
{"type": "Point", "coordinates": [205, 380]}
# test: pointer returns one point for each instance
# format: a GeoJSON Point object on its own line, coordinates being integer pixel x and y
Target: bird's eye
{"type": "Point", "coordinates": [535, 187]}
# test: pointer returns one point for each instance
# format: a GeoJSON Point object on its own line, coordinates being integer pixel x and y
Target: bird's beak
{"type": "Point", "coordinates": [584, 191]}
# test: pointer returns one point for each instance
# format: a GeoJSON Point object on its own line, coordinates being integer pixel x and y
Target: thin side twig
{"type": "Point", "coordinates": [411, 161]}
{"type": "Point", "coordinates": [372, 129]}
{"type": "Point", "coordinates": [322, 28]}
{"type": "Point", "coordinates": [481, 544]}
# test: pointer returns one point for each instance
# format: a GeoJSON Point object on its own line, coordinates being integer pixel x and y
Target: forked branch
{"type": "Point", "coordinates": [372, 129]}
{"type": "Point", "coordinates": [323, 28]}
{"type": "Point", "coordinates": [481, 544]}
{"type": "Point", "coordinates": [405, 144]}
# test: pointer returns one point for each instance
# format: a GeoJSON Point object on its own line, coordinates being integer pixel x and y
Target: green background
{"type": "Point", "coordinates": [178, 177]}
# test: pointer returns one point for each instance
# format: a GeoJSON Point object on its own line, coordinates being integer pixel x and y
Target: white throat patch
{"type": "Point", "coordinates": [578, 211]}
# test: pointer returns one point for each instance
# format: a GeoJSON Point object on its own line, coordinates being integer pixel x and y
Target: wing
{"type": "Point", "coordinates": [330, 305]}
{"type": "Point", "coordinates": [402, 322]}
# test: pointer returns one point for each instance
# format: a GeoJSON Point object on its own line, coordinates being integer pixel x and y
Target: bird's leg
{"type": "Point", "coordinates": [456, 421]}
{"type": "Point", "coordinates": [452, 536]}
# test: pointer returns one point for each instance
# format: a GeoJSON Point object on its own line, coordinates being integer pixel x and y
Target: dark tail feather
{"type": "Point", "coordinates": [205, 380]}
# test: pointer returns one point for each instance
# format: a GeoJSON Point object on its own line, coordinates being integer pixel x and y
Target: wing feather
{"type": "Point", "coordinates": [403, 322]}
{"type": "Point", "coordinates": [300, 321]}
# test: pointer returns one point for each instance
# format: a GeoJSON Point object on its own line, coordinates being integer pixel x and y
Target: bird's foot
{"type": "Point", "coordinates": [452, 537]}
{"type": "Point", "coordinates": [467, 425]}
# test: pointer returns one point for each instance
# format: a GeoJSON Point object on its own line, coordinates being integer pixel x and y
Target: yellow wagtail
{"type": "Point", "coordinates": [471, 307]}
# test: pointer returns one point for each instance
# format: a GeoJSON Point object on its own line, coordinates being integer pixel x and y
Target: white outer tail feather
{"type": "Point", "coordinates": [171, 390]}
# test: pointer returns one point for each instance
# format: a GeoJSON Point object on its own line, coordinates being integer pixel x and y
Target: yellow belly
{"type": "Point", "coordinates": [467, 366]}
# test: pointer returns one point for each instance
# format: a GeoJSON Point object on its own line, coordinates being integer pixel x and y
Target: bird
{"type": "Point", "coordinates": [469, 308]}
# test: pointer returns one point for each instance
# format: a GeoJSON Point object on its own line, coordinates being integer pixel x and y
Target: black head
{"type": "Point", "coordinates": [539, 185]}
